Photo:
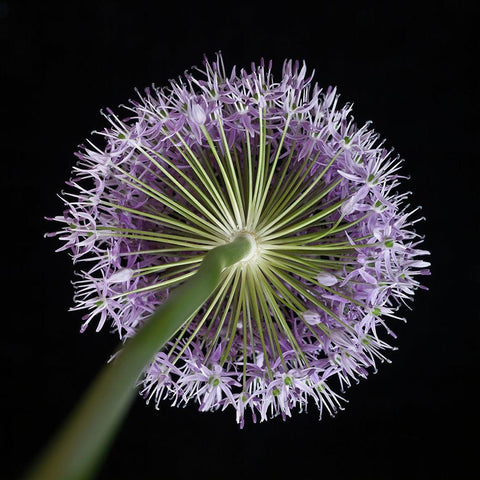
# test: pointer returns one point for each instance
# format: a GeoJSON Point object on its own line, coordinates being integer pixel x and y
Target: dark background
{"type": "Point", "coordinates": [409, 67]}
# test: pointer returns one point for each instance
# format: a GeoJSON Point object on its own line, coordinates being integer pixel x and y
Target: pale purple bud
{"type": "Point", "coordinates": [420, 264]}
{"type": "Point", "coordinates": [197, 114]}
{"type": "Point", "coordinates": [327, 279]}
{"type": "Point", "coordinates": [311, 317]}
{"type": "Point", "coordinates": [348, 207]}
{"type": "Point", "coordinates": [121, 276]}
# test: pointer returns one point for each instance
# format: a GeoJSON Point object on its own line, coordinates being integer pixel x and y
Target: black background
{"type": "Point", "coordinates": [409, 67]}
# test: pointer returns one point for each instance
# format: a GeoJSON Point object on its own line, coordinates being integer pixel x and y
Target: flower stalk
{"type": "Point", "coordinates": [77, 450]}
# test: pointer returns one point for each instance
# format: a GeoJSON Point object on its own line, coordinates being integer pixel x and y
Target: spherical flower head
{"type": "Point", "coordinates": [218, 154]}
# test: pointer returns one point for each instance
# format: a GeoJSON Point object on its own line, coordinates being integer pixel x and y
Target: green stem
{"type": "Point", "coordinates": [77, 450]}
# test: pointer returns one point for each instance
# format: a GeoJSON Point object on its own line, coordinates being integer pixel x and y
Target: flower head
{"type": "Point", "coordinates": [214, 155]}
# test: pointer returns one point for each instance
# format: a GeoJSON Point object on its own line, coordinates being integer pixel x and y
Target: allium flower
{"type": "Point", "coordinates": [215, 154]}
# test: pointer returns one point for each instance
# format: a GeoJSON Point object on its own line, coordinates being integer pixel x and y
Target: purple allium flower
{"type": "Point", "coordinates": [219, 153]}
